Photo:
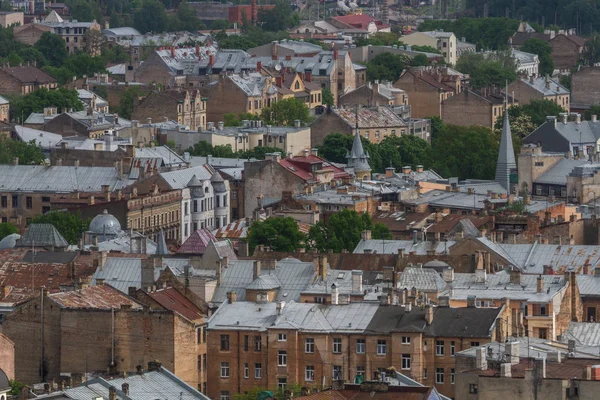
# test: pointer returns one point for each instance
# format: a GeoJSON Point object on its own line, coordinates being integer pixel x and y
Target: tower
{"type": "Point", "coordinates": [357, 158]}
{"type": "Point", "coordinates": [506, 156]}
{"type": "Point", "coordinates": [221, 190]}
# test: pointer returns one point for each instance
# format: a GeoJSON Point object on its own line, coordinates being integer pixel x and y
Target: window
{"type": "Point", "coordinates": [4, 202]}
{"type": "Point", "coordinates": [439, 347]}
{"type": "Point", "coordinates": [405, 361]}
{"type": "Point", "coordinates": [452, 376]}
{"type": "Point", "coordinates": [360, 370]}
{"type": "Point", "coordinates": [366, 134]}
{"type": "Point", "coordinates": [543, 333]}
{"type": "Point", "coordinates": [337, 345]}
{"type": "Point", "coordinates": [281, 337]}
{"type": "Point", "coordinates": [46, 199]}
{"type": "Point", "coordinates": [195, 205]}
{"type": "Point", "coordinates": [246, 371]}
{"type": "Point", "coordinates": [474, 344]}
{"type": "Point", "coordinates": [539, 163]}
{"type": "Point", "coordinates": [204, 362]}
{"type": "Point", "coordinates": [258, 371]}
{"type": "Point", "coordinates": [257, 343]}
{"type": "Point", "coordinates": [444, 44]}
{"type": "Point", "coordinates": [199, 335]}
{"type": "Point", "coordinates": [282, 358]}
{"type": "Point", "coordinates": [439, 376]}
{"type": "Point", "coordinates": [218, 201]}
{"type": "Point", "coordinates": [405, 339]}
{"type": "Point", "coordinates": [309, 373]}
{"type": "Point", "coordinates": [452, 348]}
{"type": "Point", "coordinates": [224, 369]}
{"type": "Point", "coordinates": [246, 342]}
{"type": "Point", "coordinates": [15, 201]}
{"type": "Point", "coordinates": [337, 372]}
{"type": "Point", "coordinates": [224, 342]}
{"type": "Point", "coordinates": [472, 388]}
{"type": "Point", "coordinates": [381, 347]}
{"type": "Point", "coordinates": [424, 373]}
{"type": "Point", "coordinates": [199, 363]}
{"type": "Point", "coordinates": [309, 345]}
{"type": "Point", "coordinates": [360, 346]}
{"type": "Point", "coordinates": [224, 396]}
{"type": "Point", "coordinates": [281, 383]}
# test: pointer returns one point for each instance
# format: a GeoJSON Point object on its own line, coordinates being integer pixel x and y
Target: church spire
{"type": "Point", "coordinates": [357, 158]}
{"type": "Point", "coordinates": [506, 156]}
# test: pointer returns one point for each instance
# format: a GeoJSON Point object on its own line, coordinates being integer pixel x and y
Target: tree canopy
{"type": "Point", "coordinates": [36, 101]}
{"type": "Point", "coordinates": [285, 112]}
{"type": "Point", "coordinates": [537, 110]}
{"type": "Point", "coordinates": [387, 67]}
{"type": "Point", "coordinates": [591, 51]}
{"type": "Point", "coordinates": [280, 18]}
{"type": "Point", "coordinates": [6, 228]}
{"type": "Point", "coordinates": [151, 17]}
{"type": "Point", "coordinates": [204, 149]}
{"type": "Point", "coordinates": [53, 48]}
{"type": "Point", "coordinates": [544, 52]}
{"type": "Point", "coordinates": [280, 234]}
{"type": "Point", "coordinates": [488, 70]}
{"type": "Point", "coordinates": [69, 224]}
{"type": "Point", "coordinates": [379, 39]}
{"type": "Point", "coordinates": [27, 153]}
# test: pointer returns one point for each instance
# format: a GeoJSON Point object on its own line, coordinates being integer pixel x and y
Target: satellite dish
{"type": "Point", "coordinates": [277, 67]}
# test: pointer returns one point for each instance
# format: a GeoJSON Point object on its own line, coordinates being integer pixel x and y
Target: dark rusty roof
{"type": "Point", "coordinates": [29, 75]}
{"type": "Point", "coordinates": [101, 297]}
{"type": "Point", "coordinates": [173, 300]}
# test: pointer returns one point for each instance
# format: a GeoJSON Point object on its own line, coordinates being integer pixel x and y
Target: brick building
{"type": "Point", "coordinates": [24, 79]}
{"type": "Point", "coordinates": [482, 107]}
{"type": "Point", "coordinates": [186, 107]}
{"type": "Point", "coordinates": [272, 345]}
{"type": "Point", "coordinates": [589, 290]}
{"type": "Point", "coordinates": [540, 88]}
{"type": "Point", "coordinates": [78, 334]}
{"type": "Point", "coordinates": [4, 109]}
{"type": "Point", "coordinates": [566, 50]}
{"type": "Point", "coordinates": [585, 88]}
{"type": "Point", "coordinates": [427, 88]}
{"type": "Point", "coordinates": [30, 33]}
{"type": "Point", "coordinates": [78, 36]}
{"type": "Point", "coordinates": [10, 18]}
{"type": "Point", "coordinates": [7, 356]}
{"type": "Point", "coordinates": [375, 94]}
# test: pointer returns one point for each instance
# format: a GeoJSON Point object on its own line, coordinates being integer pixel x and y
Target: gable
{"type": "Point", "coordinates": [298, 81]}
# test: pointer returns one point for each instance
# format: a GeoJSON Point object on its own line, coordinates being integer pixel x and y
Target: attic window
{"type": "Point", "coordinates": [556, 279]}
{"type": "Point", "coordinates": [341, 275]}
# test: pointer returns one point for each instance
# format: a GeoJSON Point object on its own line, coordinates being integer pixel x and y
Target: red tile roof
{"type": "Point", "coordinates": [101, 297]}
{"type": "Point", "coordinates": [197, 242]}
{"type": "Point", "coordinates": [173, 300]}
{"type": "Point", "coordinates": [360, 21]}
{"type": "Point", "coordinates": [300, 166]}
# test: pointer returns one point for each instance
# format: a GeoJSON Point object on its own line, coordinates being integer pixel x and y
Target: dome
{"type": "Point", "coordinates": [105, 223]}
{"type": "Point", "coordinates": [10, 241]}
{"type": "Point", "coordinates": [4, 385]}
{"type": "Point", "coordinates": [436, 264]}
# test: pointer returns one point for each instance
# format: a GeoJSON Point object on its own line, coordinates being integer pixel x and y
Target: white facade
{"type": "Point", "coordinates": [527, 64]}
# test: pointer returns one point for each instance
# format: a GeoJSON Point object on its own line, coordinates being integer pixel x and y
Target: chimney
{"type": "Point", "coordinates": [505, 370]}
{"type": "Point", "coordinates": [323, 267]}
{"type": "Point", "coordinates": [448, 274]}
{"type": "Point", "coordinates": [594, 118]}
{"type": "Point", "coordinates": [172, 52]}
{"type": "Point", "coordinates": [297, 123]}
{"type": "Point", "coordinates": [357, 281]}
{"type": "Point", "coordinates": [540, 284]}
{"type": "Point", "coordinates": [471, 301]}
{"type": "Point", "coordinates": [429, 314]}
{"type": "Point", "coordinates": [401, 252]}
{"type": "Point", "coordinates": [255, 269]}
{"type": "Point", "coordinates": [211, 60]}
{"type": "Point", "coordinates": [515, 276]}
{"type": "Point", "coordinates": [389, 172]}
{"type": "Point", "coordinates": [112, 393]}
{"type": "Point", "coordinates": [335, 54]}
{"type": "Point", "coordinates": [16, 161]}
{"type": "Point", "coordinates": [231, 297]}
{"type": "Point", "coordinates": [444, 301]}
{"type": "Point", "coordinates": [365, 235]}
{"type": "Point", "coordinates": [512, 352]}
{"type": "Point", "coordinates": [197, 50]}
{"type": "Point", "coordinates": [540, 368]}
{"type": "Point", "coordinates": [335, 295]}
{"type": "Point", "coordinates": [125, 388]}
{"type": "Point", "coordinates": [481, 358]}
{"type": "Point", "coordinates": [480, 275]}
{"type": "Point", "coordinates": [280, 306]}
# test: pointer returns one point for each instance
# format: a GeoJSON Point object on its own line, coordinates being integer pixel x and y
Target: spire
{"type": "Point", "coordinates": [506, 156]}
{"type": "Point", "coordinates": [161, 244]}
{"type": "Point", "coordinates": [357, 158]}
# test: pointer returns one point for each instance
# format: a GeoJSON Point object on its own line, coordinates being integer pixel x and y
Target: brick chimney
{"type": "Point", "coordinates": [322, 267]}
{"type": "Point", "coordinates": [357, 281]}
{"type": "Point", "coordinates": [429, 314]}
{"type": "Point", "coordinates": [231, 297]}
{"type": "Point", "coordinates": [259, 66]}
{"type": "Point", "coordinates": [173, 52]}
{"type": "Point", "coordinates": [540, 284]}
{"type": "Point", "coordinates": [112, 393]}
{"type": "Point", "coordinates": [255, 269]}
{"type": "Point", "coordinates": [211, 60]}
{"type": "Point", "coordinates": [335, 294]}
{"type": "Point", "coordinates": [125, 388]}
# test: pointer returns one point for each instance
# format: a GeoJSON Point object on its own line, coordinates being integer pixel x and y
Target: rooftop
{"type": "Point", "coordinates": [102, 297]}
{"type": "Point", "coordinates": [173, 300]}
{"type": "Point", "coordinates": [371, 117]}
{"type": "Point", "coordinates": [410, 247]}
{"type": "Point", "coordinates": [546, 86]}
{"type": "Point", "coordinates": [29, 74]}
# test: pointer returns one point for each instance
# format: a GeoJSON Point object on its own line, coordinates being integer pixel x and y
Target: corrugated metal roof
{"type": "Point", "coordinates": [589, 285]}
{"type": "Point", "coordinates": [557, 174]}
{"type": "Point", "coordinates": [103, 297]}
{"type": "Point", "coordinates": [42, 235]}
{"type": "Point", "coordinates": [424, 279]}
{"type": "Point", "coordinates": [392, 246]}
{"type": "Point", "coordinates": [180, 178]}
{"type": "Point", "coordinates": [586, 333]}
{"type": "Point", "coordinates": [43, 139]}
{"type": "Point", "coordinates": [123, 273]}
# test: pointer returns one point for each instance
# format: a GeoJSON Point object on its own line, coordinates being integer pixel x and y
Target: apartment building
{"type": "Point", "coordinates": [186, 107]}
{"type": "Point", "coordinates": [22, 80]}
{"type": "Point", "coordinates": [445, 42]}
{"type": "Point", "coordinates": [273, 345]}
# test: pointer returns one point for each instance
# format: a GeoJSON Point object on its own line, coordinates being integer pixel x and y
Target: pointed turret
{"type": "Point", "coordinates": [506, 156]}
{"type": "Point", "coordinates": [357, 158]}
{"type": "Point", "coordinates": [161, 244]}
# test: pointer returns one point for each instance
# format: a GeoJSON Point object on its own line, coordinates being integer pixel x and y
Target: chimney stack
{"type": "Point", "coordinates": [335, 295]}
{"type": "Point", "coordinates": [429, 314]}
{"type": "Point", "coordinates": [357, 281]}
{"type": "Point", "coordinates": [125, 388]}
{"type": "Point", "coordinates": [112, 393]}
{"type": "Point", "coordinates": [512, 352]}
{"type": "Point", "coordinates": [471, 301]}
{"type": "Point", "coordinates": [323, 268]}
{"type": "Point", "coordinates": [255, 269]}
{"type": "Point", "coordinates": [481, 359]}
{"type": "Point", "coordinates": [540, 284]}
{"type": "Point", "coordinates": [231, 297]}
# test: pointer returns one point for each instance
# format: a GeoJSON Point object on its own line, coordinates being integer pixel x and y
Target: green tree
{"type": "Point", "coordinates": [335, 147]}
{"type": "Point", "coordinates": [491, 70]}
{"type": "Point", "coordinates": [32, 55]}
{"type": "Point", "coordinates": [342, 232]}
{"type": "Point", "coordinates": [187, 15]}
{"type": "Point", "coordinates": [404, 150]}
{"type": "Point", "coordinates": [380, 39]}
{"type": "Point", "coordinates": [466, 152]}
{"type": "Point", "coordinates": [15, 386]}
{"type": "Point", "coordinates": [327, 97]}
{"type": "Point", "coordinates": [69, 224]}
{"type": "Point", "coordinates": [39, 99]}
{"type": "Point", "coordinates": [151, 17]}
{"type": "Point", "coordinates": [387, 67]}
{"type": "Point", "coordinates": [203, 148]}
{"type": "Point", "coordinates": [544, 52]}
{"type": "Point", "coordinates": [127, 101]}
{"type": "Point", "coordinates": [425, 49]}
{"type": "Point", "coordinates": [53, 48]}
{"type": "Point", "coordinates": [236, 42]}
{"type": "Point", "coordinates": [593, 110]}
{"type": "Point", "coordinates": [27, 153]}
{"type": "Point", "coordinates": [280, 234]}
{"type": "Point", "coordinates": [538, 110]}
{"type": "Point", "coordinates": [419, 60]}
{"type": "Point", "coordinates": [280, 18]}
{"type": "Point", "coordinates": [380, 231]}
{"type": "Point", "coordinates": [220, 25]}
{"type": "Point", "coordinates": [591, 51]}
{"type": "Point", "coordinates": [285, 112]}
{"type": "Point", "coordinates": [258, 152]}
{"type": "Point", "coordinates": [6, 228]}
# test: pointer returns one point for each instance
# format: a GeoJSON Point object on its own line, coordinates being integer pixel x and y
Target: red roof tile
{"type": "Point", "coordinates": [197, 242]}
{"type": "Point", "coordinates": [300, 166]}
{"type": "Point", "coordinates": [360, 21]}
{"type": "Point", "coordinates": [173, 300]}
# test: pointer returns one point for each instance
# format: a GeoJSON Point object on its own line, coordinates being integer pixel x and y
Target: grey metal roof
{"type": "Point", "coordinates": [589, 285]}
{"type": "Point", "coordinates": [219, 162]}
{"type": "Point", "coordinates": [179, 179]}
{"type": "Point", "coordinates": [56, 179]}
{"type": "Point", "coordinates": [481, 187]}
{"type": "Point", "coordinates": [343, 282]}
{"type": "Point", "coordinates": [122, 244]}
{"type": "Point", "coordinates": [585, 333]}
{"type": "Point", "coordinates": [442, 198]}
{"type": "Point", "coordinates": [498, 286]}
{"type": "Point", "coordinates": [123, 273]}
{"type": "Point", "coordinates": [9, 241]}
{"type": "Point", "coordinates": [43, 139]}
{"type": "Point", "coordinates": [123, 31]}
{"type": "Point", "coordinates": [42, 235]}
{"type": "Point", "coordinates": [545, 85]}
{"type": "Point", "coordinates": [264, 282]}
{"type": "Point", "coordinates": [391, 246]}
{"type": "Point", "coordinates": [557, 174]}
{"type": "Point", "coordinates": [424, 279]}
{"type": "Point", "coordinates": [161, 384]}
{"type": "Point", "coordinates": [294, 276]}
{"type": "Point", "coordinates": [3, 100]}
{"type": "Point", "coordinates": [169, 157]}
